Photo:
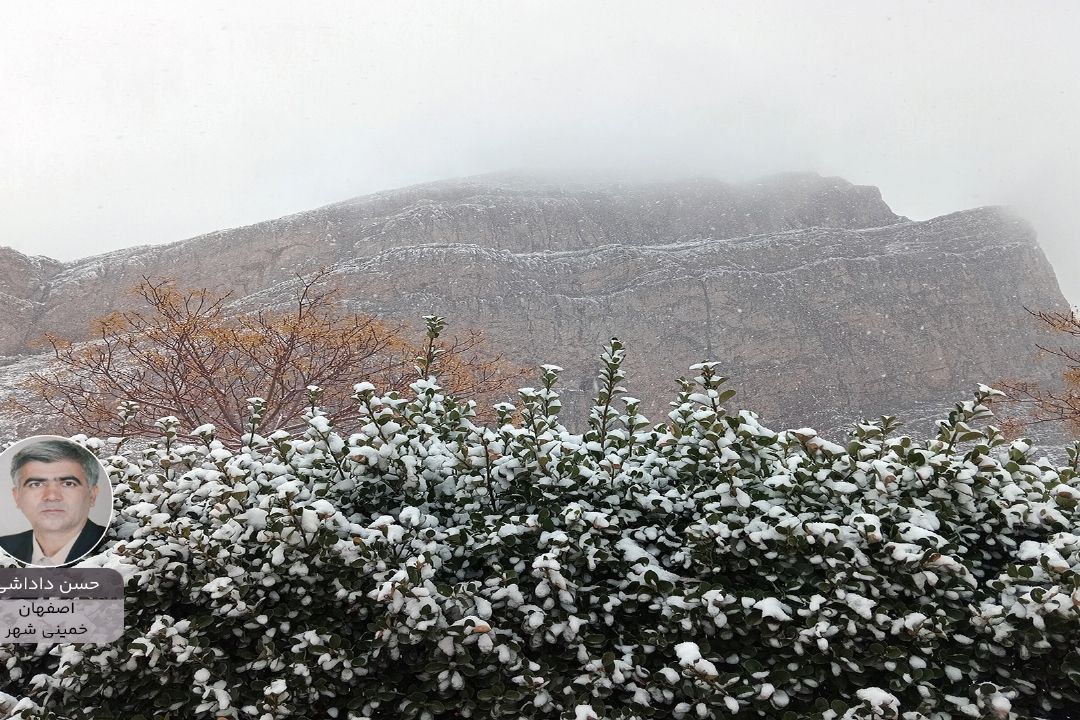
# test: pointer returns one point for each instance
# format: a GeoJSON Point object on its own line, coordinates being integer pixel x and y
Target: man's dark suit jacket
{"type": "Point", "coordinates": [21, 545]}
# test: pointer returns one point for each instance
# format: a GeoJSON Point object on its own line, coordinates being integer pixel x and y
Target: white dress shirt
{"type": "Point", "coordinates": [59, 558]}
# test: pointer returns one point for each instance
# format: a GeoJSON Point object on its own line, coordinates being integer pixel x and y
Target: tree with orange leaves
{"type": "Point", "coordinates": [188, 354]}
{"type": "Point", "coordinates": [1055, 405]}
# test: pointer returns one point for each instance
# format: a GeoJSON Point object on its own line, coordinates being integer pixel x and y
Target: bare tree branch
{"type": "Point", "coordinates": [1053, 405]}
{"type": "Point", "coordinates": [185, 354]}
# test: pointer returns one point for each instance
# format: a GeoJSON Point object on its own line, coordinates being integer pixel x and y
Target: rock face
{"type": "Point", "coordinates": [24, 289]}
{"type": "Point", "coordinates": [823, 306]}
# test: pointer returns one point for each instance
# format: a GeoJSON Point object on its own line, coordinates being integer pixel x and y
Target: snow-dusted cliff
{"type": "Point", "coordinates": [822, 304]}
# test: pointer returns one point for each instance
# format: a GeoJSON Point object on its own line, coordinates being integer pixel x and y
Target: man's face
{"type": "Point", "coordinates": [54, 496]}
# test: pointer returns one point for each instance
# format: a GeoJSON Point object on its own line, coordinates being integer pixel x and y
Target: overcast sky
{"type": "Point", "coordinates": [140, 122]}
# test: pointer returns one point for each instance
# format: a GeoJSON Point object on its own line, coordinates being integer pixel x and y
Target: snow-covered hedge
{"type": "Point", "coordinates": [419, 565]}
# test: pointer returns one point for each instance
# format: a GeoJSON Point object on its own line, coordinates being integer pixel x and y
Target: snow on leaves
{"type": "Point", "coordinates": [420, 565]}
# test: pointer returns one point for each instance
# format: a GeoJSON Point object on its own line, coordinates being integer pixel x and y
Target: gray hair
{"type": "Point", "coordinates": [49, 451]}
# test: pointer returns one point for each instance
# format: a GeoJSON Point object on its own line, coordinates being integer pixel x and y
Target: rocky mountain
{"type": "Point", "coordinates": [821, 303]}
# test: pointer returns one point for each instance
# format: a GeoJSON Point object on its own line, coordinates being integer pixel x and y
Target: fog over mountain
{"type": "Point", "coordinates": [154, 121]}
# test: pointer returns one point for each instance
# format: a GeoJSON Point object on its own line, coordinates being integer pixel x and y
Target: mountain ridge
{"type": "Point", "coordinates": [775, 278]}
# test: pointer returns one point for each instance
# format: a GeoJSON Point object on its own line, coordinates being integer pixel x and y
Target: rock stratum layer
{"type": "Point", "coordinates": [823, 305]}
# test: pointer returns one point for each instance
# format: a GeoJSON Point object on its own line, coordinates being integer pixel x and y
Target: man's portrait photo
{"type": "Point", "coordinates": [58, 488]}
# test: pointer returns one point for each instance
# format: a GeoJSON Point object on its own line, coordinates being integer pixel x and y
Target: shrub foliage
{"type": "Point", "coordinates": [416, 564]}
